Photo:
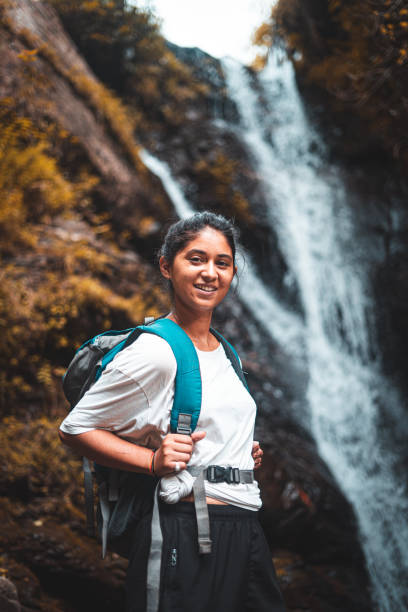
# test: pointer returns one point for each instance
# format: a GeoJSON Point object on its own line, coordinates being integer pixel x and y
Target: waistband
{"type": "Point", "coordinates": [187, 509]}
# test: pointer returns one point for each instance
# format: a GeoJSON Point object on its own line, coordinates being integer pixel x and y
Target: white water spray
{"type": "Point", "coordinates": [285, 328]}
{"type": "Point", "coordinates": [309, 213]}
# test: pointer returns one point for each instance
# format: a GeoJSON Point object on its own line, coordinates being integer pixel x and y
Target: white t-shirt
{"type": "Point", "coordinates": [134, 397]}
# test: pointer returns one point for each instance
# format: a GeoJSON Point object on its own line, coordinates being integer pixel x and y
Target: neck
{"type": "Point", "coordinates": [196, 325]}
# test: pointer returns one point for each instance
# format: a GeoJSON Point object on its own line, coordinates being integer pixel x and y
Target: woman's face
{"type": "Point", "coordinates": [201, 273]}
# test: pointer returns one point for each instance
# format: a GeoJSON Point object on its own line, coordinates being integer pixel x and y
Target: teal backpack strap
{"type": "Point", "coordinates": [188, 390]}
{"type": "Point", "coordinates": [232, 356]}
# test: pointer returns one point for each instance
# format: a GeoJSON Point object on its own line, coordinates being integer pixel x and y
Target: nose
{"type": "Point", "coordinates": [209, 271]}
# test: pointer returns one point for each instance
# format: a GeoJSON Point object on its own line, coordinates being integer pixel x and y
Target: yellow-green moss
{"type": "Point", "coordinates": [220, 174]}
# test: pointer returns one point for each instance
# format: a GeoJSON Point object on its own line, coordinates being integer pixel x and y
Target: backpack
{"type": "Point", "coordinates": [126, 497]}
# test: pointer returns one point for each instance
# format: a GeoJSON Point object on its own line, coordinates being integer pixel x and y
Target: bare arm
{"type": "Point", "coordinates": [106, 448]}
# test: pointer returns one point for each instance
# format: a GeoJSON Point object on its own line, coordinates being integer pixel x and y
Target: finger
{"type": "Point", "coordinates": [177, 447]}
{"type": "Point", "coordinates": [170, 454]}
{"type": "Point", "coordinates": [255, 445]}
{"type": "Point", "coordinates": [198, 435]}
{"type": "Point", "coordinates": [183, 457]}
{"type": "Point", "coordinates": [181, 465]}
{"type": "Point", "coordinates": [180, 439]}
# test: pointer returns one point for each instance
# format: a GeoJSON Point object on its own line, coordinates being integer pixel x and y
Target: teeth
{"type": "Point", "coordinates": [204, 288]}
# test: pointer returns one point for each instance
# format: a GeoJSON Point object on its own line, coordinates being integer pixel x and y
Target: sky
{"type": "Point", "coordinates": [220, 27]}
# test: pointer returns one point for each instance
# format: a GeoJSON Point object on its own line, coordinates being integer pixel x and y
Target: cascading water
{"type": "Point", "coordinates": [309, 213]}
{"type": "Point", "coordinates": [285, 328]}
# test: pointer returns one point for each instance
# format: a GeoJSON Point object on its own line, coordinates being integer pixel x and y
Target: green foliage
{"type": "Point", "coordinates": [33, 188]}
{"type": "Point", "coordinates": [62, 279]}
{"type": "Point", "coordinates": [263, 39]}
{"type": "Point", "coordinates": [219, 176]}
{"type": "Point", "coordinates": [46, 316]}
{"type": "Point", "coordinates": [119, 119]}
{"type": "Point", "coordinates": [32, 458]}
{"type": "Point", "coordinates": [124, 47]}
{"type": "Point", "coordinates": [358, 53]}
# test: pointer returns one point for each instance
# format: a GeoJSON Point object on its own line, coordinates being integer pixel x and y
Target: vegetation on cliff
{"type": "Point", "coordinates": [357, 54]}
{"type": "Point", "coordinates": [68, 162]}
{"type": "Point", "coordinates": [124, 47]}
{"type": "Point", "coordinates": [59, 250]}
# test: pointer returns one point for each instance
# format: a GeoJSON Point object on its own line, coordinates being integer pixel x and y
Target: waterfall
{"type": "Point", "coordinates": [285, 328]}
{"type": "Point", "coordinates": [309, 212]}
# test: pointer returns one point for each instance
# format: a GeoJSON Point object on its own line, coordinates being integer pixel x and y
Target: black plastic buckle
{"type": "Point", "coordinates": [215, 473]}
{"type": "Point", "coordinates": [232, 475]}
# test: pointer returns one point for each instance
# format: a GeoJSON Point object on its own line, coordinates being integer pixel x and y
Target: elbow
{"type": "Point", "coordinates": [69, 440]}
{"type": "Point", "coordinates": [64, 437]}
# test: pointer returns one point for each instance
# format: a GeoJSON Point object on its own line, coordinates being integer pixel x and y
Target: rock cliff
{"type": "Point", "coordinates": [91, 267]}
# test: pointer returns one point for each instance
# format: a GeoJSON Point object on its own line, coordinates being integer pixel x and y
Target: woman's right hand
{"type": "Point", "coordinates": [175, 448]}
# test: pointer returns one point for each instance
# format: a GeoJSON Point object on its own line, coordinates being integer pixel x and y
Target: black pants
{"type": "Point", "coordinates": [238, 575]}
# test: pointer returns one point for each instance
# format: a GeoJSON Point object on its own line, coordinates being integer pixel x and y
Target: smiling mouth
{"type": "Point", "coordinates": [206, 288]}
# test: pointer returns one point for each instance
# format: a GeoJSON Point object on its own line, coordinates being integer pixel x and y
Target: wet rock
{"type": "Point", "coordinates": [8, 596]}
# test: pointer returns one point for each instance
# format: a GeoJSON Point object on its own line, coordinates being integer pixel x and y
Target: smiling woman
{"type": "Point", "coordinates": [200, 274]}
{"type": "Point", "coordinates": [123, 422]}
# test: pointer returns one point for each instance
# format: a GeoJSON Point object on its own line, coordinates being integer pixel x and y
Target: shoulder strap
{"type": "Point", "coordinates": [188, 390]}
{"type": "Point", "coordinates": [232, 356]}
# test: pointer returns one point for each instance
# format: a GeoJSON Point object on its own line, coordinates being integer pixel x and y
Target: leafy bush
{"type": "Point", "coordinates": [33, 462]}
{"type": "Point", "coordinates": [45, 316]}
{"type": "Point", "coordinates": [33, 189]}
{"type": "Point", "coordinates": [357, 52]}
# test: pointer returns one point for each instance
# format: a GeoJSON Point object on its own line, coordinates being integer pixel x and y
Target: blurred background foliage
{"type": "Point", "coordinates": [355, 54]}
{"type": "Point", "coordinates": [60, 257]}
{"type": "Point", "coordinates": [125, 49]}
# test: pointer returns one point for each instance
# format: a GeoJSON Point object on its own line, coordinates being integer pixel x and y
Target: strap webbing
{"type": "Point", "coordinates": [105, 511]}
{"type": "Point", "coordinates": [113, 485]}
{"type": "Point", "coordinates": [203, 520]}
{"type": "Point", "coordinates": [232, 356]}
{"type": "Point", "coordinates": [89, 499]}
{"type": "Point", "coordinates": [203, 529]}
{"type": "Point", "coordinates": [187, 389]}
{"type": "Point", "coordinates": [154, 561]}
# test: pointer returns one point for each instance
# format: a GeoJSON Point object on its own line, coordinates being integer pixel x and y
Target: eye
{"type": "Point", "coordinates": [196, 259]}
{"type": "Point", "coordinates": [223, 263]}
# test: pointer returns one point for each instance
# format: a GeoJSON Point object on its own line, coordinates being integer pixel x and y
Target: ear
{"type": "Point", "coordinates": [235, 271]}
{"type": "Point", "coordinates": [165, 268]}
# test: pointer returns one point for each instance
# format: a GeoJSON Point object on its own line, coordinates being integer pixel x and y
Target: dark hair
{"type": "Point", "coordinates": [182, 232]}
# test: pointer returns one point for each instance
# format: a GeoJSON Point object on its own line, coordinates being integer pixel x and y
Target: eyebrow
{"type": "Point", "coordinates": [200, 252]}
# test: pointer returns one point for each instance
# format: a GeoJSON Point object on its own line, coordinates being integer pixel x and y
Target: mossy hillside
{"type": "Point", "coordinates": [76, 289]}
{"type": "Point", "coordinates": [65, 272]}
{"type": "Point", "coordinates": [123, 45]}
{"type": "Point", "coordinates": [51, 83]}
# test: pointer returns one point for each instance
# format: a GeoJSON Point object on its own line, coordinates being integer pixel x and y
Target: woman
{"type": "Point", "coordinates": [126, 414]}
